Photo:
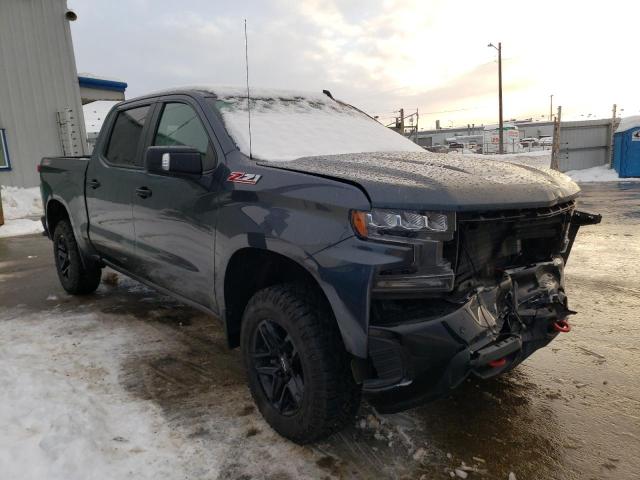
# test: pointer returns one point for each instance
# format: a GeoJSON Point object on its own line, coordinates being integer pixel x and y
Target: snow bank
{"type": "Point", "coordinates": [286, 125]}
{"type": "Point", "coordinates": [21, 202]}
{"type": "Point", "coordinates": [17, 205]}
{"type": "Point", "coordinates": [20, 226]}
{"type": "Point", "coordinates": [628, 123]}
{"type": "Point", "coordinates": [601, 173]}
{"type": "Point", "coordinates": [62, 410]}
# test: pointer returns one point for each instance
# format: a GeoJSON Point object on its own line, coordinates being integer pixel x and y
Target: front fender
{"type": "Point", "coordinates": [302, 218]}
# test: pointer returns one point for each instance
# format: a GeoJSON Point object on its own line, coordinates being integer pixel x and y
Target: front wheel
{"type": "Point", "coordinates": [299, 372]}
{"type": "Point", "coordinates": [76, 278]}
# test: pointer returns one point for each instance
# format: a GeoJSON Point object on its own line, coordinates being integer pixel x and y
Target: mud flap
{"type": "Point", "coordinates": [578, 219]}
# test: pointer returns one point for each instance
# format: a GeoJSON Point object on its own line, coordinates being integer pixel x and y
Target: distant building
{"type": "Point", "coordinates": [94, 88]}
{"type": "Point", "coordinates": [443, 136]}
{"type": "Point", "coordinates": [41, 95]}
{"type": "Point", "coordinates": [94, 115]}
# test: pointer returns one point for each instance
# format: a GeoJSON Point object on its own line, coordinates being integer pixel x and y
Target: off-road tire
{"type": "Point", "coordinates": [331, 397]}
{"type": "Point", "coordinates": [76, 278]}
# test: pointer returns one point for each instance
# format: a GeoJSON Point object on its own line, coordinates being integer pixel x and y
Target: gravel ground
{"type": "Point", "coordinates": [127, 383]}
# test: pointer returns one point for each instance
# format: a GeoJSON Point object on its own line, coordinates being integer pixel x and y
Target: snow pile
{"type": "Point", "coordinates": [18, 204]}
{"type": "Point", "coordinates": [20, 226]}
{"type": "Point", "coordinates": [628, 123]}
{"type": "Point", "coordinates": [289, 125]}
{"type": "Point", "coordinates": [601, 173]}
{"type": "Point", "coordinates": [61, 407]}
{"type": "Point", "coordinates": [21, 202]}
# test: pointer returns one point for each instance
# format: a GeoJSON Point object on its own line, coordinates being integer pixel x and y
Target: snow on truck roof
{"type": "Point", "coordinates": [286, 125]}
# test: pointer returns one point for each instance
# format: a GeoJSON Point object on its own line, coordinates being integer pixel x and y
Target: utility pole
{"type": "Point", "coordinates": [500, 123]}
{"type": "Point", "coordinates": [1, 212]}
{"type": "Point", "coordinates": [612, 135]}
{"type": "Point", "coordinates": [402, 121]}
{"type": "Point", "coordinates": [551, 109]}
{"type": "Point", "coordinates": [501, 150]}
{"type": "Point", "coordinates": [555, 149]}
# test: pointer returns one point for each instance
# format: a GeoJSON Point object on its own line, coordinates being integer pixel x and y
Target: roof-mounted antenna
{"type": "Point", "coordinates": [246, 61]}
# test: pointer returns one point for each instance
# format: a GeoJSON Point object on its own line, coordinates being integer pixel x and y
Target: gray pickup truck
{"type": "Point", "coordinates": [341, 258]}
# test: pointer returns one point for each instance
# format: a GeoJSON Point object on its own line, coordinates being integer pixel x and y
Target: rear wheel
{"type": "Point", "coordinates": [299, 372]}
{"type": "Point", "coordinates": [76, 278]}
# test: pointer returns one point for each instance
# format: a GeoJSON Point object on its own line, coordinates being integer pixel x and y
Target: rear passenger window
{"type": "Point", "coordinates": [126, 136]}
{"type": "Point", "coordinates": [180, 125]}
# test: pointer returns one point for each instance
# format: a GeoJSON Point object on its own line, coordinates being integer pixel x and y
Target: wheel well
{"type": "Point", "coordinates": [55, 212]}
{"type": "Point", "coordinates": [252, 269]}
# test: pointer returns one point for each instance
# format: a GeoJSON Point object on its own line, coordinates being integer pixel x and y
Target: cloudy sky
{"type": "Point", "coordinates": [378, 54]}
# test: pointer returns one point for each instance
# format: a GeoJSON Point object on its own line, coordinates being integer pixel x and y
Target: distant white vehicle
{"type": "Point", "coordinates": [529, 142]}
{"type": "Point", "coordinates": [546, 141]}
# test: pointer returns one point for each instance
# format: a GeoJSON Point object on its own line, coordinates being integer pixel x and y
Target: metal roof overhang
{"type": "Point", "coordinates": [92, 89]}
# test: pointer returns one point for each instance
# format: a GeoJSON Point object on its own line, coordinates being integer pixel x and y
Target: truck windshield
{"type": "Point", "coordinates": [289, 126]}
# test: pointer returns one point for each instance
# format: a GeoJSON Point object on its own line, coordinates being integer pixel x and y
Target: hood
{"type": "Point", "coordinates": [424, 180]}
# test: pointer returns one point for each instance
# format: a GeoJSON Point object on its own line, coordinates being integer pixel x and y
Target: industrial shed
{"type": "Point", "coordinates": [40, 108]}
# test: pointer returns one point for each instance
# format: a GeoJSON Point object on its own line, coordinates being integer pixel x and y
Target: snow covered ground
{"type": "Point", "coordinates": [96, 388]}
{"type": "Point", "coordinates": [542, 159]}
{"type": "Point", "coordinates": [61, 410]}
{"type": "Point", "coordinates": [22, 209]}
{"type": "Point", "coordinates": [601, 173]}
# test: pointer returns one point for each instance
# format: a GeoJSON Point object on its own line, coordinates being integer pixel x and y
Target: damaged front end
{"type": "Point", "coordinates": [505, 299]}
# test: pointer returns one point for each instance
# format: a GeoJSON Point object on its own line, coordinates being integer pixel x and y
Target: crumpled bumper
{"type": "Point", "coordinates": [489, 333]}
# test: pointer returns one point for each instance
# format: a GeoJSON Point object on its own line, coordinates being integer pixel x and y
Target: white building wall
{"type": "Point", "coordinates": [38, 78]}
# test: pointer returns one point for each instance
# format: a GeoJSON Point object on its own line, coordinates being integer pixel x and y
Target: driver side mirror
{"type": "Point", "coordinates": [173, 159]}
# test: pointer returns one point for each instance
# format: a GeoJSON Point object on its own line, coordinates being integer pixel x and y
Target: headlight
{"type": "Point", "coordinates": [386, 224]}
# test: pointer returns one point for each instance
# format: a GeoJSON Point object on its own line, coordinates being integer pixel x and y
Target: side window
{"type": "Point", "coordinates": [126, 136]}
{"type": "Point", "coordinates": [180, 125]}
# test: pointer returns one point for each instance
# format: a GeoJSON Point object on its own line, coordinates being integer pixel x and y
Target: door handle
{"type": "Point", "coordinates": [143, 192]}
{"type": "Point", "coordinates": [94, 183]}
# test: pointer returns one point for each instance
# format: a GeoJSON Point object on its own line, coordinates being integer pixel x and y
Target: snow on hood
{"type": "Point", "coordinates": [421, 180]}
{"type": "Point", "coordinates": [628, 123]}
{"type": "Point", "coordinates": [286, 125]}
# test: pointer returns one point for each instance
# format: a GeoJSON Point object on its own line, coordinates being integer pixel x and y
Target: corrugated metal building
{"type": "Point", "coordinates": [585, 144]}
{"type": "Point", "coordinates": [40, 107]}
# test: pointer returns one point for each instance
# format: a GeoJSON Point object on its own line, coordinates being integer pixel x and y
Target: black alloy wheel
{"type": "Point", "coordinates": [76, 276]}
{"type": "Point", "coordinates": [298, 370]}
{"type": "Point", "coordinates": [62, 254]}
{"type": "Point", "coordinates": [277, 362]}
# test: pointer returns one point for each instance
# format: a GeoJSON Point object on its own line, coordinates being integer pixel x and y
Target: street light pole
{"type": "Point", "coordinates": [501, 123]}
{"type": "Point", "coordinates": [551, 109]}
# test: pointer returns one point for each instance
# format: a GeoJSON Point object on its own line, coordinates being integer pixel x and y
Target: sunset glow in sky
{"type": "Point", "coordinates": [379, 55]}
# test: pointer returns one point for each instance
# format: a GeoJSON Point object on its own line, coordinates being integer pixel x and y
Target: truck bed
{"type": "Point", "coordinates": [63, 180]}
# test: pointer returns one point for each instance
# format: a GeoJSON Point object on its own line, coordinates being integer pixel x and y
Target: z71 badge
{"type": "Point", "coordinates": [242, 177]}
